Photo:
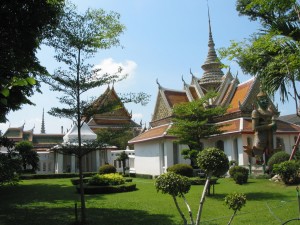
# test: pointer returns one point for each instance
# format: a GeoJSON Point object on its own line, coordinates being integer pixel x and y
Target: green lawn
{"type": "Point", "coordinates": [51, 201]}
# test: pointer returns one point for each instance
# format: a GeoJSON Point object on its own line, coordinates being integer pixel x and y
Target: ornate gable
{"type": "Point", "coordinates": [162, 110]}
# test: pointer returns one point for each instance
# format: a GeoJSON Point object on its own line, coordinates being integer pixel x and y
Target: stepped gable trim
{"type": "Point", "coordinates": [195, 82]}
{"type": "Point", "coordinates": [160, 99]}
{"type": "Point", "coordinates": [223, 90]}
{"type": "Point", "coordinates": [153, 134]}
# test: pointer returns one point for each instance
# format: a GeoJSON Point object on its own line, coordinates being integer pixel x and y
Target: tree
{"type": "Point", "coordinates": [116, 137]}
{"type": "Point", "coordinates": [123, 157]}
{"type": "Point", "coordinates": [235, 201]}
{"type": "Point", "coordinates": [273, 54]}
{"type": "Point", "coordinates": [29, 157]}
{"type": "Point", "coordinates": [21, 34]}
{"type": "Point", "coordinates": [176, 186]}
{"type": "Point", "coordinates": [192, 122]}
{"type": "Point", "coordinates": [213, 161]}
{"type": "Point", "coordinates": [77, 38]}
{"type": "Point", "coordinates": [10, 163]}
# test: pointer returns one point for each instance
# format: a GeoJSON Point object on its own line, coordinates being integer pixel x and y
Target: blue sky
{"type": "Point", "coordinates": [163, 40]}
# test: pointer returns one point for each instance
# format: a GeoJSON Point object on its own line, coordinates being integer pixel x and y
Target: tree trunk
{"type": "Point", "coordinates": [179, 210]}
{"type": "Point", "coordinates": [202, 199]}
{"type": "Point", "coordinates": [189, 209]}
{"type": "Point", "coordinates": [231, 218]}
{"type": "Point", "coordinates": [82, 199]}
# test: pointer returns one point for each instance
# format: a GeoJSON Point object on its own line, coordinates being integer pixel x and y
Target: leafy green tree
{"type": "Point", "coordinates": [77, 38]}
{"type": "Point", "coordinates": [116, 137]}
{"type": "Point", "coordinates": [192, 122]}
{"type": "Point", "coordinates": [235, 202]}
{"type": "Point", "coordinates": [10, 163]}
{"type": "Point", "coordinates": [176, 186]}
{"type": "Point", "coordinates": [123, 157]}
{"type": "Point", "coordinates": [28, 155]}
{"type": "Point", "coordinates": [213, 162]}
{"type": "Point", "coordinates": [272, 54]}
{"type": "Point", "coordinates": [24, 24]}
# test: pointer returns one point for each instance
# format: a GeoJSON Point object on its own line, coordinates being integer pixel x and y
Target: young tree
{"type": "Point", "coordinates": [213, 161]}
{"type": "Point", "coordinates": [192, 122]}
{"type": "Point", "coordinates": [176, 186]}
{"type": "Point", "coordinates": [77, 38]}
{"type": "Point", "coordinates": [123, 157]}
{"type": "Point", "coordinates": [10, 163]}
{"type": "Point", "coordinates": [28, 155]}
{"type": "Point", "coordinates": [24, 24]}
{"type": "Point", "coordinates": [273, 54]}
{"type": "Point", "coordinates": [235, 202]}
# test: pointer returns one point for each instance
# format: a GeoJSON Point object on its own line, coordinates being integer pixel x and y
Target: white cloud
{"type": "Point", "coordinates": [110, 66]}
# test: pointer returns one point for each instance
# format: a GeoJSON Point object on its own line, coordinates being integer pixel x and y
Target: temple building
{"type": "Point", "coordinates": [43, 143]}
{"type": "Point", "coordinates": [156, 149]}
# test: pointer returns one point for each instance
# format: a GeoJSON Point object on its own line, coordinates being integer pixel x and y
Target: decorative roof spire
{"type": "Point", "coordinates": [212, 66]}
{"type": "Point", "coordinates": [43, 124]}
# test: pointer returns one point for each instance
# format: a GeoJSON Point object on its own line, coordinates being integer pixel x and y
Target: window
{"type": "Point", "coordinates": [220, 145]}
{"type": "Point", "coordinates": [280, 143]}
{"type": "Point", "coordinates": [44, 166]}
{"type": "Point", "coordinates": [175, 153]}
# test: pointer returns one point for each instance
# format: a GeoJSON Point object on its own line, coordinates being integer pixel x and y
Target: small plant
{"type": "Point", "coordinates": [277, 158]}
{"type": "Point", "coordinates": [181, 169]}
{"type": "Point", "coordinates": [235, 202]}
{"type": "Point", "coordinates": [239, 174]}
{"type": "Point", "coordinates": [288, 171]}
{"type": "Point", "coordinates": [98, 180]}
{"type": "Point", "coordinates": [105, 169]}
{"type": "Point", "coordinates": [176, 186]}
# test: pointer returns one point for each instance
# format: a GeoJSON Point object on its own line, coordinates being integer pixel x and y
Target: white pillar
{"type": "Point", "coordinates": [73, 169]}
{"type": "Point", "coordinates": [97, 160]}
{"type": "Point", "coordinates": [59, 163]}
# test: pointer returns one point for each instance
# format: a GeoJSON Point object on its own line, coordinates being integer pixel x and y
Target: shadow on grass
{"type": "Point", "coordinates": [49, 204]}
{"type": "Point", "coordinates": [65, 216]}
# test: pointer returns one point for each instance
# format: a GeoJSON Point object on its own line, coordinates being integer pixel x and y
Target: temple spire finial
{"type": "Point", "coordinates": [43, 131]}
{"type": "Point", "coordinates": [212, 76]}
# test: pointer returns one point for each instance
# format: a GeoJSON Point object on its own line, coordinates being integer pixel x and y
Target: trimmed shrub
{"type": "Point", "coordinates": [181, 169]}
{"type": "Point", "coordinates": [75, 181]}
{"type": "Point", "coordinates": [108, 189]}
{"type": "Point", "coordinates": [288, 171]}
{"type": "Point", "coordinates": [213, 161]}
{"type": "Point", "coordinates": [54, 175]}
{"type": "Point", "coordinates": [240, 178]}
{"type": "Point", "coordinates": [277, 158]}
{"type": "Point", "coordinates": [105, 169]}
{"type": "Point", "coordinates": [239, 174]}
{"type": "Point", "coordinates": [106, 179]}
{"type": "Point", "coordinates": [201, 181]}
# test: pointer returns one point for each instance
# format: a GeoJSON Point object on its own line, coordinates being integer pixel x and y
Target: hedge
{"type": "Point", "coordinates": [54, 175]}
{"type": "Point", "coordinates": [201, 181]}
{"type": "Point", "coordinates": [108, 189]}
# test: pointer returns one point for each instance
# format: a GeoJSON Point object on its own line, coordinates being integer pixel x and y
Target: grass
{"type": "Point", "coordinates": [51, 201]}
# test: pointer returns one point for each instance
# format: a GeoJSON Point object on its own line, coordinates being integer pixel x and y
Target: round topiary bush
{"type": "Point", "coordinates": [277, 158]}
{"type": "Point", "coordinates": [106, 169]}
{"type": "Point", "coordinates": [239, 174]}
{"type": "Point", "coordinates": [288, 171]}
{"type": "Point", "coordinates": [181, 169]}
{"type": "Point", "coordinates": [213, 161]}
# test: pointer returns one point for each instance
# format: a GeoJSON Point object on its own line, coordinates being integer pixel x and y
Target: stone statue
{"type": "Point", "coordinates": [263, 125]}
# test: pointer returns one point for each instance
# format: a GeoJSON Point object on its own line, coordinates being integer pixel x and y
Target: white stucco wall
{"type": "Point", "coordinates": [147, 158]}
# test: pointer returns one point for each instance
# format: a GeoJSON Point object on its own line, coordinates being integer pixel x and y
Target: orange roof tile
{"type": "Point", "coordinates": [153, 133]}
{"type": "Point", "coordinates": [174, 97]}
{"type": "Point", "coordinates": [240, 95]}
